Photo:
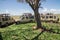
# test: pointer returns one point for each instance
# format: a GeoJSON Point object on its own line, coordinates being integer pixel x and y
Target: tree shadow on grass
{"type": "Point", "coordinates": [1, 36]}
{"type": "Point", "coordinates": [50, 30]}
{"type": "Point", "coordinates": [36, 37]}
{"type": "Point", "coordinates": [43, 30]}
{"type": "Point", "coordinates": [47, 30]}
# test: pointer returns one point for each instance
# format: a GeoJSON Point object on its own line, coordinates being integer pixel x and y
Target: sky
{"type": "Point", "coordinates": [17, 8]}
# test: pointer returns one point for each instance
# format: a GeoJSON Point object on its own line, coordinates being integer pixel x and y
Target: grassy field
{"type": "Point", "coordinates": [25, 32]}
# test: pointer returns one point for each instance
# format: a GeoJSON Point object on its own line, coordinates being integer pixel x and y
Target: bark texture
{"type": "Point", "coordinates": [37, 19]}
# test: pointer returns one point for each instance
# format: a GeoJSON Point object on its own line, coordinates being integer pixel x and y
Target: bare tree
{"type": "Point", "coordinates": [35, 5]}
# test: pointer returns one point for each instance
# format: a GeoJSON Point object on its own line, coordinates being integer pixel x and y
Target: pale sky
{"type": "Point", "coordinates": [15, 8]}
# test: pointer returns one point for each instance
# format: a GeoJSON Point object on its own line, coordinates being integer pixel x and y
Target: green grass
{"type": "Point", "coordinates": [20, 31]}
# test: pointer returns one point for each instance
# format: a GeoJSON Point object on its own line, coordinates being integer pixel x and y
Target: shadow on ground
{"type": "Point", "coordinates": [1, 36]}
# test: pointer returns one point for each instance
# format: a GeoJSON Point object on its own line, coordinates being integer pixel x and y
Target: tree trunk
{"type": "Point", "coordinates": [37, 19]}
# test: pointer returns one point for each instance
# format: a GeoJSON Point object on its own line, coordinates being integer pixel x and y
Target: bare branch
{"type": "Point", "coordinates": [31, 3]}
